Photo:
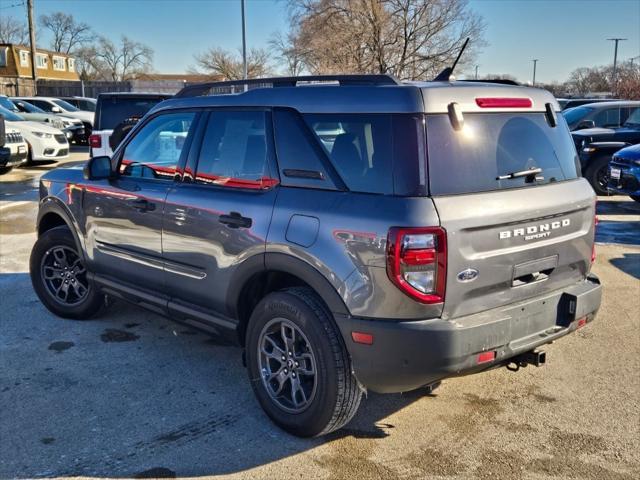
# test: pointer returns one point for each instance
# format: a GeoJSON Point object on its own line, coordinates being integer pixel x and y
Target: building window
{"type": "Point", "coordinates": [24, 58]}
{"type": "Point", "coordinates": [42, 60]}
{"type": "Point", "coordinates": [72, 64]}
{"type": "Point", "coordinates": [58, 64]}
{"type": "Point", "coordinates": [3, 57]}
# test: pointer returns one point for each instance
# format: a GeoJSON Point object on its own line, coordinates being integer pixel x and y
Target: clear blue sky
{"type": "Point", "coordinates": [562, 34]}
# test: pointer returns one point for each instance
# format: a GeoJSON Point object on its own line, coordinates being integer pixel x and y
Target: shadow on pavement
{"type": "Point", "coordinates": [629, 263]}
{"type": "Point", "coordinates": [130, 393]}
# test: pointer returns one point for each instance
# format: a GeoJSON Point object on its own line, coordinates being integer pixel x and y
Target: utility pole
{"type": "Point", "coordinates": [615, 62]}
{"type": "Point", "coordinates": [477, 71]}
{"type": "Point", "coordinates": [244, 44]}
{"type": "Point", "coordinates": [32, 39]}
{"type": "Point", "coordinates": [535, 63]}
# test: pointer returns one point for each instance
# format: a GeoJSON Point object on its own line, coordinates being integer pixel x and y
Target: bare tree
{"type": "Point", "coordinates": [13, 30]}
{"type": "Point", "coordinates": [412, 39]}
{"type": "Point", "coordinates": [121, 61]}
{"type": "Point", "coordinates": [289, 52]}
{"type": "Point", "coordinates": [67, 34]}
{"type": "Point", "coordinates": [217, 61]}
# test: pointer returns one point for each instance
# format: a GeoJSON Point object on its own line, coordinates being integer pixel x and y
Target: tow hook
{"type": "Point", "coordinates": [532, 357]}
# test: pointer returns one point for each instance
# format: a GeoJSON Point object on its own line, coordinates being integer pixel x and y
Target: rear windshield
{"type": "Point", "coordinates": [573, 115]}
{"type": "Point", "coordinates": [114, 110]}
{"type": "Point", "coordinates": [374, 153]}
{"type": "Point", "coordinates": [491, 145]}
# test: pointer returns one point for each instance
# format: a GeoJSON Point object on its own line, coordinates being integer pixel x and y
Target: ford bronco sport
{"type": "Point", "coordinates": [350, 232]}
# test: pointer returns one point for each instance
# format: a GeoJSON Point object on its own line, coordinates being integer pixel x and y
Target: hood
{"type": "Point", "coordinates": [629, 153]}
{"type": "Point", "coordinates": [27, 127]}
{"type": "Point", "coordinates": [84, 116]}
{"type": "Point", "coordinates": [589, 132]}
{"type": "Point", "coordinates": [70, 116]}
{"type": "Point", "coordinates": [41, 117]}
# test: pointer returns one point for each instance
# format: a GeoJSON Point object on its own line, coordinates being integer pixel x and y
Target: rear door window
{"type": "Point", "coordinates": [608, 118]}
{"type": "Point", "coordinates": [234, 151]}
{"type": "Point", "coordinates": [496, 144]}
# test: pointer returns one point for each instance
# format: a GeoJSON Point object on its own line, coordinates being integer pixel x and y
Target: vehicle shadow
{"type": "Point", "coordinates": [131, 393]}
{"type": "Point", "coordinates": [629, 263]}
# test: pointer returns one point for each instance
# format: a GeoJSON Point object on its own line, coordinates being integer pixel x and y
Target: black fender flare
{"type": "Point", "coordinates": [281, 262]}
{"type": "Point", "coordinates": [53, 205]}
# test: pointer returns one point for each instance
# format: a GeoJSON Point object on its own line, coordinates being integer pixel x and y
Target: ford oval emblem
{"type": "Point", "coordinates": [468, 275]}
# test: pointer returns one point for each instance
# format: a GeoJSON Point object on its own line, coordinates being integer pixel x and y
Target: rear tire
{"type": "Point", "coordinates": [4, 170]}
{"type": "Point", "coordinates": [597, 174]}
{"type": "Point", "coordinates": [292, 331]}
{"type": "Point", "coordinates": [60, 278]}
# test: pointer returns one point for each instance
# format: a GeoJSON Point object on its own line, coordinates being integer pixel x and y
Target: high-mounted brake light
{"type": "Point", "coordinates": [95, 141]}
{"type": "Point", "coordinates": [417, 262]}
{"type": "Point", "coordinates": [504, 102]}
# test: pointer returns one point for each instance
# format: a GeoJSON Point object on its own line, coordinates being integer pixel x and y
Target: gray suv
{"type": "Point", "coordinates": [350, 232]}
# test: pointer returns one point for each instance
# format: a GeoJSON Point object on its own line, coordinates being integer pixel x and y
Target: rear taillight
{"type": "Point", "coordinates": [417, 262]}
{"type": "Point", "coordinates": [95, 141]}
{"type": "Point", "coordinates": [503, 102]}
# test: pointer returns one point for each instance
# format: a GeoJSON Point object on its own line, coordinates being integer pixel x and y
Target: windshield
{"type": "Point", "coordinates": [10, 116]}
{"type": "Point", "coordinates": [8, 104]}
{"type": "Point", "coordinates": [634, 119]}
{"type": "Point", "coordinates": [114, 111]}
{"type": "Point", "coordinates": [575, 114]}
{"type": "Point", "coordinates": [65, 105]}
{"type": "Point", "coordinates": [493, 145]}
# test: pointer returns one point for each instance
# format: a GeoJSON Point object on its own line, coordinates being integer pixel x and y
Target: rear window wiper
{"type": "Point", "coordinates": [531, 175]}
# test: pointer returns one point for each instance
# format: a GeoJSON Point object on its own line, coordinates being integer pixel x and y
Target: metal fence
{"type": "Point", "coordinates": [62, 88]}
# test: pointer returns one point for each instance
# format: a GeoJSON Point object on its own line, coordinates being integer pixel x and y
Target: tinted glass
{"type": "Point", "coordinates": [234, 151]}
{"type": "Point", "coordinates": [493, 145]}
{"type": "Point", "coordinates": [114, 110]}
{"type": "Point", "coordinates": [608, 118]}
{"type": "Point", "coordinates": [299, 157]}
{"type": "Point", "coordinates": [8, 104]}
{"type": "Point", "coordinates": [65, 105]}
{"type": "Point", "coordinates": [155, 150]}
{"type": "Point", "coordinates": [46, 106]}
{"type": "Point", "coordinates": [10, 116]}
{"type": "Point", "coordinates": [373, 153]}
{"type": "Point", "coordinates": [573, 115]}
{"type": "Point", "coordinates": [634, 119]}
{"type": "Point", "coordinates": [28, 107]}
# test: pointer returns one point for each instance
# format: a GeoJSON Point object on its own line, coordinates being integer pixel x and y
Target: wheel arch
{"type": "Point", "coordinates": [269, 272]}
{"type": "Point", "coordinates": [52, 214]}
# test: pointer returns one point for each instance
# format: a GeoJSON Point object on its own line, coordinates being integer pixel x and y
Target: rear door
{"type": "Point", "coordinates": [509, 239]}
{"type": "Point", "coordinates": [218, 217]}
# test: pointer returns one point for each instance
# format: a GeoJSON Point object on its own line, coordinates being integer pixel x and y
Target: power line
{"type": "Point", "coordinates": [21, 4]}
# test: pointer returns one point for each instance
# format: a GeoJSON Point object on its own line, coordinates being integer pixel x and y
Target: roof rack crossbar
{"type": "Point", "coordinates": [201, 89]}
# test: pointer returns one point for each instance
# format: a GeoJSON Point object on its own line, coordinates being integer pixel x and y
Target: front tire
{"type": "Point", "coordinates": [298, 365]}
{"type": "Point", "coordinates": [4, 170]}
{"type": "Point", "coordinates": [60, 278]}
{"type": "Point", "coordinates": [598, 175]}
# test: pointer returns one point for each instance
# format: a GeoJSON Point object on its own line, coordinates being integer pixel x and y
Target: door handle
{"type": "Point", "coordinates": [143, 205]}
{"type": "Point", "coordinates": [235, 220]}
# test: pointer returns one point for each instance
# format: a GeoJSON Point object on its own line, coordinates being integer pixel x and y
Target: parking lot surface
{"type": "Point", "coordinates": [131, 394]}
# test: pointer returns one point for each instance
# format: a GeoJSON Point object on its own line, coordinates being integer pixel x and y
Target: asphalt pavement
{"type": "Point", "coordinates": [131, 394]}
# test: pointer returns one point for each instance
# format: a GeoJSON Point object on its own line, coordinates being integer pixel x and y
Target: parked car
{"type": "Point", "coordinates": [57, 106]}
{"type": "Point", "coordinates": [44, 142]}
{"type": "Point", "coordinates": [116, 115]}
{"type": "Point", "coordinates": [87, 104]}
{"type": "Point", "coordinates": [566, 103]}
{"type": "Point", "coordinates": [423, 240]}
{"type": "Point", "coordinates": [624, 172]}
{"type": "Point", "coordinates": [13, 148]}
{"type": "Point", "coordinates": [602, 114]}
{"type": "Point", "coordinates": [597, 145]}
{"type": "Point", "coordinates": [73, 127]}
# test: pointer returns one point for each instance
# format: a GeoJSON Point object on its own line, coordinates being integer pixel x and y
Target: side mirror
{"type": "Point", "coordinates": [98, 168]}
{"type": "Point", "coordinates": [56, 109]}
{"type": "Point", "coordinates": [586, 124]}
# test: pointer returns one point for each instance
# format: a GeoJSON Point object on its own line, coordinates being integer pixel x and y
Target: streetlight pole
{"type": "Point", "coordinates": [615, 62]}
{"type": "Point", "coordinates": [477, 71]}
{"type": "Point", "coordinates": [244, 44]}
{"type": "Point", "coordinates": [32, 40]}
{"type": "Point", "coordinates": [535, 63]}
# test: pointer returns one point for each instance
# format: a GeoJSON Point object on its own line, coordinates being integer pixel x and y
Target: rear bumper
{"type": "Point", "coordinates": [406, 355]}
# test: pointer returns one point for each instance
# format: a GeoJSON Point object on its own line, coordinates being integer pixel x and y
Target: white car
{"type": "Point", "coordinates": [14, 152]}
{"type": "Point", "coordinates": [45, 142]}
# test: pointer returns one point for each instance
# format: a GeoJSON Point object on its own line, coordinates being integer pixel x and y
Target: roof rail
{"type": "Point", "coordinates": [502, 81]}
{"type": "Point", "coordinates": [201, 89]}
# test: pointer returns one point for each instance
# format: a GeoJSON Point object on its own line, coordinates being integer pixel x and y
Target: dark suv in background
{"type": "Point", "coordinates": [350, 232]}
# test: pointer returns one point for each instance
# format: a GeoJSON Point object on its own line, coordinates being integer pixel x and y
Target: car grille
{"type": "Point", "coordinates": [14, 138]}
{"type": "Point", "coordinates": [62, 152]}
{"type": "Point", "coordinates": [60, 137]}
